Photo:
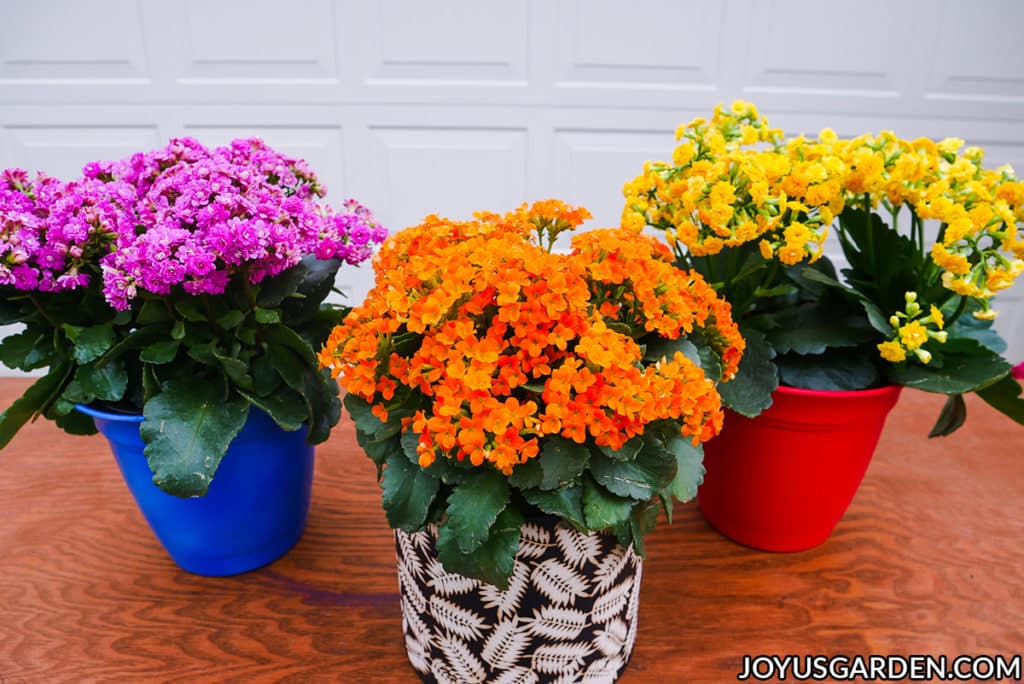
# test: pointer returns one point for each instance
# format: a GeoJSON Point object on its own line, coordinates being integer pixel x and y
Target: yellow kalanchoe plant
{"type": "Point", "coordinates": [751, 210]}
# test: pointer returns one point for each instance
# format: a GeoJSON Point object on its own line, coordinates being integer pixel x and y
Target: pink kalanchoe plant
{"type": "Point", "coordinates": [183, 262]}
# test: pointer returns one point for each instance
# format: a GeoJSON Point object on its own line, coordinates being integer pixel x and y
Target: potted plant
{"type": "Point", "coordinates": [529, 412]}
{"type": "Point", "coordinates": [174, 298]}
{"type": "Point", "coordinates": [928, 235]}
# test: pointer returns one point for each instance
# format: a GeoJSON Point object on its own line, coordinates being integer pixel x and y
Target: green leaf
{"type": "Point", "coordinates": [527, 475]}
{"type": "Point", "coordinates": [107, 381]}
{"type": "Point", "coordinates": [490, 562]}
{"type": "Point", "coordinates": [662, 348]}
{"type": "Point", "coordinates": [951, 418]}
{"type": "Point", "coordinates": [641, 479]}
{"type": "Point", "coordinates": [641, 521]}
{"type": "Point", "coordinates": [836, 369]}
{"type": "Point", "coordinates": [288, 364]}
{"type": "Point", "coordinates": [235, 369]}
{"type": "Point", "coordinates": [267, 315]}
{"type": "Point", "coordinates": [967, 366]}
{"type": "Point", "coordinates": [601, 508]}
{"type": "Point", "coordinates": [137, 339]}
{"type": "Point", "coordinates": [153, 311]}
{"type": "Point", "coordinates": [75, 423]}
{"type": "Point", "coordinates": [33, 401]}
{"type": "Point", "coordinates": [275, 289]}
{"type": "Point", "coordinates": [178, 330]}
{"type": "Point", "coordinates": [474, 505]}
{"type": "Point", "coordinates": [813, 329]}
{"type": "Point", "coordinates": [562, 461]}
{"type": "Point", "coordinates": [1005, 397]}
{"type": "Point", "coordinates": [265, 378]}
{"type": "Point", "coordinates": [565, 503]}
{"type": "Point", "coordinates": [883, 263]}
{"type": "Point", "coordinates": [286, 407]}
{"type": "Point", "coordinates": [362, 414]}
{"type": "Point", "coordinates": [189, 310]}
{"type": "Point", "coordinates": [282, 335]}
{"type": "Point", "coordinates": [321, 393]}
{"type": "Point", "coordinates": [314, 288]}
{"type": "Point", "coordinates": [231, 319]}
{"type": "Point", "coordinates": [27, 350]}
{"type": "Point", "coordinates": [160, 352]}
{"type": "Point", "coordinates": [187, 429]}
{"type": "Point", "coordinates": [628, 452]}
{"type": "Point", "coordinates": [750, 392]}
{"type": "Point", "coordinates": [967, 326]}
{"type": "Point", "coordinates": [408, 491]}
{"type": "Point", "coordinates": [777, 291]}
{"type": "Point", "coordinates": [689, 469]}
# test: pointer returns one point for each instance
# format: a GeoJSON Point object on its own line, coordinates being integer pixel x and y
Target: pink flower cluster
{"type": "Point", "coordinates": [182, 216]}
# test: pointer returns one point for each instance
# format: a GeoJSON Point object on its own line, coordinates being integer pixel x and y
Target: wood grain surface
{"type": "Point", "coordinates": [927, 560]}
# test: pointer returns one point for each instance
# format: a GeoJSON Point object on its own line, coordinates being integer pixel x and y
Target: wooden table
{"type": "Point", "coordinates": [929, 559]}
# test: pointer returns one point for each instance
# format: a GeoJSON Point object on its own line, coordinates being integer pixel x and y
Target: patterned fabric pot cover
{"type": "Point", "coordinates": [569, 614]}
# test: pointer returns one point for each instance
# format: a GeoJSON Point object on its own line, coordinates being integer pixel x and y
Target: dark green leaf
{"type": "Point", "coordinates": [187, 429]}
{"type": "Point", "coordinates": [750, 392]}
{"type": "Point", "coordinates": [189, 310]}
{"type": "Point", "coordinates": [1005, 396]}
{"type": "Point", "coordinates": [689, 469]}
{"type": "Point", "coordinates": [662, 348]}
{"type": "Point", "coordinates": [408, 491]}
{"type": "Point", "coordinates": [566, 503]}
{"type": "Point", "coordinates": [160, 352]}
{"type": "Point", "coordinates": [967, 366]}
{"type": "Point", "coordinates": [153, 311]}
{"type": "Point", "coordinates": [137, 339]}
{"type": "Point", "coordinates": [284, 336]}
{"type": "Point", "coordinates": [883, 263]}
{"type": "Point", "coordinates": [285, 406]}
{"type": "Point", "coordinates": [231, 319]}
{"type": "Point", "coordinates": [267, 315]}
{"type": "Point", "coordinates": [27, 350]}
{"type": "Point", "coordinates": [813, 329]}
{"type": "Point", "coordinates": [235, 369]}
{"type": "Point", "coordinates": [75, 423]}
{"type": "Point", "coordinates": [107, 381]}
{"type": "Point", "coordinates": [178, 330]}
{"type": "Point", "coordinates": [837, 369]}
{"type": "Point", "coordinates": [976, 329]}
{"type": "Point", "coordinates": [321, 393]}
{"type": "Point", "coordinates": [273, 290]}
{"type": "Point", "coordinates": [288, 364]}
{"type": "Point", "coordinates": [628, 452]}
{"type": "Point", "coordinates": [527, 475]}
{"type": "Point", "coordinates": [93, 342]}
{"type": "Point", "coordinates": [562, 461]}
{"type": "Point", "coordinates": [362, 414]}
{"type": "Point", "coordinates": [32, 402]}
{"type": "Point", "coordinates": [776, 291]}
{"type": "Point", "coordinates": [492, 561]}
{"type": "Point", "coordinates": [951, 418]}
{"type": "Point", "coordinates": [264, 377]}
{"type": "Point", "coordinates": [601, 508]}
{"type": "Point", "coordinates": [641, 521]}
{"type": "Point", "coordinates": [641, 479]}
{"type": "Point", "coordinates": [474, 505]}
{"type": "Point", "coordinates": [314, 288]}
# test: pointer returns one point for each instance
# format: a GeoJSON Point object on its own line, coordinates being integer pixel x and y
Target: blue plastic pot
{"type": "Point", "coordinates": [254, 511]}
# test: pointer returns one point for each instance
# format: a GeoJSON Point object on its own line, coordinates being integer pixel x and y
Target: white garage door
{"type": "Point", "coordinates": [449, 106]}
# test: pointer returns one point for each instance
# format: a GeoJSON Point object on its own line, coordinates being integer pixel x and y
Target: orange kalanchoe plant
{"type": "Point", "coordinates": [491, 379]}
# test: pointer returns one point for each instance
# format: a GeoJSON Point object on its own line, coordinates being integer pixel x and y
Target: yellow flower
{"type": "Point", "coordinates": [790, 254]}
{"type": "Point", "coordinates": [766, 249]}
{"type": "Point", "coordinates": [913, 335]}
{"type": "Point", "coordinates": [892, 351]}
{"type": "Point", "coordinates": [954, 264]}
{"type": "Point", "coordinates": [828, 136]}
{"type": "Point", "coordinates": [683, 154]}
{"type": "Point", "coordinates": [949, 145]}
{"type": "Point", "coordinates": [986, 315]}
{"type": "Point", "coordinates": [936, 317]}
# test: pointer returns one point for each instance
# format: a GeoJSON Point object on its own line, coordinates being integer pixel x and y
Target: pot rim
{"type": "Point", "coordinates": [865, 393]}
{"type": "Point", "coordinates": [109, 415]}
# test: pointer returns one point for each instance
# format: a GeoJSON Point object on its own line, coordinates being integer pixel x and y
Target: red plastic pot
{"type": "Point", "coordinates": [782, 481]}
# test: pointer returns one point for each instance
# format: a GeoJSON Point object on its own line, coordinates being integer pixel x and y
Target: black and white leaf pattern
{"type": "Point", "coordinates": [506, 602]}
{"type": "Point", "coordinates": [612, 602]}
{"type": "Point", "coordinates": [577, 548]}
{"type": "Point", "coordinates": [560, 658]}
{"type": "Point", "coordinates": [505, 645]}
{"type": "Point", "coordinates": [462, 660]}
{"type": "Point", "coordinates": [560, 583]}
{"type": "Point", "coordinates": [517, 675]}
{"type": "Point", "coordinates": [448, 583]}
{"type": "Point", "coordinates": [562, 624]}
{"type": "Point", "coordinates": [611, 566]}
{"type": "Point", "coordinates": [569, 614]}
{"type": "Point", "coordinates": [612, 638]}
{"type": "Point", "coordinates": [460, 621]}
{"type": "Point", "coordinates": [534, 541]}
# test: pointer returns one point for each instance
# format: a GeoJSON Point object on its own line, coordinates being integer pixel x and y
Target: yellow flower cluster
{"type": "Point", "coordinates": [734, 180]}
{"type": "Point", "coordinates": [913, 332]}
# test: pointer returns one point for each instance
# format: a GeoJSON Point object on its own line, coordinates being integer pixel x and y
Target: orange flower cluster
{"type": "Point", "coordinates": [496, 342]}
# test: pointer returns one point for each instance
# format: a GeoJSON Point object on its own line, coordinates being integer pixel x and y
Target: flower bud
{"type": "Point", "coordinates": [923, 355]}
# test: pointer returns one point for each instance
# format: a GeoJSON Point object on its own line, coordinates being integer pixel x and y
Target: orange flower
{"type": "Point", "coordinates": [497, 342]}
